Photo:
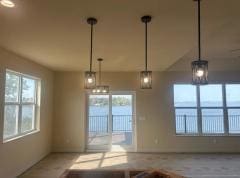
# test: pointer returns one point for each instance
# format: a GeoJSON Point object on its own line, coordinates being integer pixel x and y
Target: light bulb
{"type": "Point", "coordinates": [7, 3]}
{"type": "Point", "coordinates": [90, 80]}
{"type": "Point", "coordinates": [145, 79]}
{"type": "Point", "coordinates": [94, 91]}
{"type": "Point", "coordinates": [199, 72]}
{"type": "Point", "coordinates": [98, 91]}
{"type": "Point", "coordinates": [104, 91]}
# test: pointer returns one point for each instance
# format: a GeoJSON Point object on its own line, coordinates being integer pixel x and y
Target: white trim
{"type": "Point", "coordinates": [22, 74]}
{"type": "Point", "coordinates": [20, 136]}
{"type": "Point", "coordinates": [110, 122]}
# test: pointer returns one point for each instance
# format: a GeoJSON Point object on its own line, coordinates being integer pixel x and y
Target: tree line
{"type": "Point", "coordinates": [116, 101]}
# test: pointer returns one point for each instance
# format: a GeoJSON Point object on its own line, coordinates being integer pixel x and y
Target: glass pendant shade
{"type": "Point", "coordinates": [101, 89]}
{"type": "Point", "coordinates": [200, 72]}
{"type": "Point", "coordinates": [90, 80]}
{"type": "Point", "coordinates": [146, 79]}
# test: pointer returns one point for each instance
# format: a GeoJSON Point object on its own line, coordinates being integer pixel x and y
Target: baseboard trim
{"type": "Point", "coordinates": [185, 152]}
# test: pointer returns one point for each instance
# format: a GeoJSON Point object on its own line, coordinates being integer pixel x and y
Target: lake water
{"type": "Point", "coordinates": [116, 110]}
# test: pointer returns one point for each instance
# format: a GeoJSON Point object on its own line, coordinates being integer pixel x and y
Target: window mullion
{"type": "Point", "coordinates": [35, 105]}
{"type": "Point", "coordinates": [225, 111]}
{"type": "Point", "coordinates": [199, 113]}
{"type": "Point", "coordinates": [20, 106]}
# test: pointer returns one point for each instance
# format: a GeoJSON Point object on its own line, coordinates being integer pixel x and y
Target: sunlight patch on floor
{"type": "Point", "coordinates": [118, 148]}
{"type": "Point", "coordinates": [99, 160]}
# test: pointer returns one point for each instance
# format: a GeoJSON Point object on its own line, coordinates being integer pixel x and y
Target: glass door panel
{"type": "Point", "coordinates": [122, 120]}
{"type": "Point", "coordinates": [98, 122]}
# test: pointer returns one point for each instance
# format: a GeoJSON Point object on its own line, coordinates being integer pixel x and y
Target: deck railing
{"type": "Point", "coordinates": [211, 124]}
{"type": "Point", "coordinates": [98, 124]}
{"type": "Point", "coordinates": [120, 123]}
{"type": "Point", "coordinates": [186, 124]}
{"type": "Point", "coordinates": [234, 124]}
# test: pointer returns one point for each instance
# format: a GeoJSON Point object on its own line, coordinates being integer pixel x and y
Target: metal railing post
{"type": "Point", "coordinates": [185, 123]}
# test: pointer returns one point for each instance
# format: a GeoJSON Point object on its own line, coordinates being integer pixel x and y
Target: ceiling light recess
{"type": "Point", "coordinates": [7, 3]}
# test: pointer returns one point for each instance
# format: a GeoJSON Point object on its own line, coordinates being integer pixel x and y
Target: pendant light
{"type": "Point", "coordinates": [90, 76]}
{"type": "Point", "coordinates": [100, 89]}
{"type": "Point", "coordinates": [146, 76]}
{"type": "Point", "coordinates": [199, 67]}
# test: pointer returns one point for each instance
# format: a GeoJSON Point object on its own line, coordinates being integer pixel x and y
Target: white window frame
{"type": "Point", "coordinates": [224, 107]}
{"type": "Point", "coordinates": [20, 104]}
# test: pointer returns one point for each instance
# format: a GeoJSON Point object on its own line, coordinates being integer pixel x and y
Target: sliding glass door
{"type": "Point", "coordinates": [111, 122]}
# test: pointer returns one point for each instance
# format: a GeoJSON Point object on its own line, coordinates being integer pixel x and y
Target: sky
{"type": "Point", "coordinates": [210, 95]}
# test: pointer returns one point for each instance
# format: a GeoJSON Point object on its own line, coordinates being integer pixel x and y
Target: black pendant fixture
{"type": "Point", "coordinates": [146, 76]}
{"type": "Point", "coordinates": [100, 89]}
{"type": "Point", "coordinates": [199, 67]}
{"type": "Point", "coordinates": [90, 76]}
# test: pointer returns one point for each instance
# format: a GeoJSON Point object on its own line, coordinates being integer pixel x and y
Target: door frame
{"type": "Point", "coordinates": [133, 147]}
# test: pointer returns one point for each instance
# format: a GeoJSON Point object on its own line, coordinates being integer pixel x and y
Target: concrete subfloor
{"type": "Point", "coordinates": [189, 165]}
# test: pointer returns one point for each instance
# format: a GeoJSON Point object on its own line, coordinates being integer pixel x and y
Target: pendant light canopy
{"type": "Point", "coordinates": [199, 67]}
{"type": "Point", "coordinates": [90, 76]}
{"type": "Point", "coordinates": [146, 76]}
{"type": "Point", "coordinates": [100, 89]}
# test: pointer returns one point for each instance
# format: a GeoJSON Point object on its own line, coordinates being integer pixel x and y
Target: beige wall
{"type": "Point", "coordinates": [68, 134]}
{"type": "Point", "coordinates": [155, 105]}
{"type": "Point", "coordinates": [18, 155]}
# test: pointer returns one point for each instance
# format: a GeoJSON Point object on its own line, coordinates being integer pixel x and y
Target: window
{"type": "Point", "coordinates": [211, 96]}
{"type": "Point", "coordinates": [211, 105]}
{"type": "Point", "coordinates": [207, 110]}
{"type": "Point", "coordinates": [21, 104]}
{"type": "Point", "coordinates": [186, 109]}
{"type": "Point", "coordinates": [233, 107]}
{"type": "Point", "coordinates": [212, 121]}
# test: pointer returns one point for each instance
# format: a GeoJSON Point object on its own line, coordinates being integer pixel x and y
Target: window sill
{"type": "Point", "coordinates": [20, 136]}
{"type": "Point", "coordinates": [207, 135]}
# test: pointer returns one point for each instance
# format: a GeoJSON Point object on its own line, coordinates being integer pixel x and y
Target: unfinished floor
{"type": "Point", "coordinates": [189, 165]}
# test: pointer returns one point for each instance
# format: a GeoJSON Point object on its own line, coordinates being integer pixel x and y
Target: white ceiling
{"type": "Point", "coordinates": [54, 33]}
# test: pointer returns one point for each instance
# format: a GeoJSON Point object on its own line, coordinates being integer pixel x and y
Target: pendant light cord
{"type": "Point", "coordinates": [199, 30]}
{"type": "Point", "coordinates": [100, 73]}
{"type": "Point", "coordinates": [91, 49]}
{"type": "Point", "coordinates": [146, 46]}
